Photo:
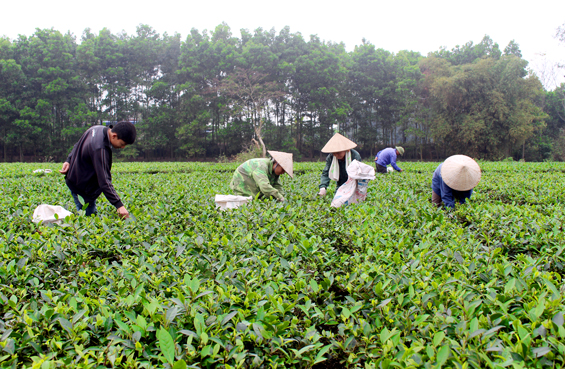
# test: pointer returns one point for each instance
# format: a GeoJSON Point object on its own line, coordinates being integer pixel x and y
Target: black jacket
{"type": "Point", "coordinates": [343, 176]}
{"type": "Point", "coordinates": [90, 163]}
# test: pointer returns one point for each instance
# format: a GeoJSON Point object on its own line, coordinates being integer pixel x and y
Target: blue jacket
{"type": "Point", "coordinates": [386, 157]}
{"type": "Point", "coordinates": [447, 194]}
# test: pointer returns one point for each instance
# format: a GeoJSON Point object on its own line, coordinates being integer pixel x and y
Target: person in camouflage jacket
{"type": "Point", "coordinates": [261, 176]}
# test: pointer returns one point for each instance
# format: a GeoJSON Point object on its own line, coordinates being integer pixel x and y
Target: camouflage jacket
{"type": "Point", "coordinates": [256, 176]}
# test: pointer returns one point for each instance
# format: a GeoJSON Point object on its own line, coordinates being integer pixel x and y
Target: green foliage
{"type": "Point", "coordinates": [249, 152]}
{"type": "Point", "coordinates": [390, 282]}
{"type": "Point", "coordinates": [187, 95]}
{"type": "Point", "coordinates": [484, 109]}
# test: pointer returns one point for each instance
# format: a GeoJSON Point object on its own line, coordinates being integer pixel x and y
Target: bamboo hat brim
{"type": "Point", "coordinates": [338, 143]}
{"type": "Point", "coordinates": [285, 161]}
{"type": "Point", "coordinates": [460, 172]}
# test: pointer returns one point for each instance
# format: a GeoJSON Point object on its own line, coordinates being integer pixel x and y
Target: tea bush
{"type": "Point", "coordinates": [391, 282]}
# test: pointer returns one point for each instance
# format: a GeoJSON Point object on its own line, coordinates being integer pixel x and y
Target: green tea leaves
{"type": "Point", "coordinates": [443, 355]}
{"type": "Point", "coordinates": [167, 345]}
{"type": "Point", "coordinates": [558, 319]}
{"type": "Point", "coordinates": [390, 282]}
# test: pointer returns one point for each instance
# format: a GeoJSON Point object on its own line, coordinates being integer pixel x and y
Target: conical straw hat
{"type": "Point", "coordinates": [284, 159]}
{"type": "Point", "coordinates": [338, 143]}
{"type": "Point", "coordinates": [460, 172]}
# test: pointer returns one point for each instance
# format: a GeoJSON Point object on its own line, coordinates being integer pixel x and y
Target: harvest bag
{"type": "Point", "coordinates": [231, 201]}
{"type": "Point", "coordinates": [46, 214]}
{"type": "Point", "coordinates": [355, 189]}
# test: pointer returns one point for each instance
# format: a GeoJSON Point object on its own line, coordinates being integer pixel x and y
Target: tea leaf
{"type": "Point", "coordinates": [167, 345]}
{"type": "Point", "coordinates": [540, 351]}
{"type": "Point", "coordinates": [443, 355]}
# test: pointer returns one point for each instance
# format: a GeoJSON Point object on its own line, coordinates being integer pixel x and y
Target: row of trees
{"type": "Point", "coordinates": [213, 93]}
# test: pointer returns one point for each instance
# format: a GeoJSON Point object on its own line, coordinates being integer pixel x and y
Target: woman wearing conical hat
{"type": "Point", "coordinates": [454, 180]}
{"type": "Point", "coordinates": [340, 154]}
{"type": "Point", "coordinates": [261, 176]}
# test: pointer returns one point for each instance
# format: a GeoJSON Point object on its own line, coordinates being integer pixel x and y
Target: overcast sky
{"type": "Point", "coordinates": [422, 26]}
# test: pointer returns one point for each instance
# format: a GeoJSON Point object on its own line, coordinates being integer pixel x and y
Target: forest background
{"type": "Point", "coordinates": [213, 95]}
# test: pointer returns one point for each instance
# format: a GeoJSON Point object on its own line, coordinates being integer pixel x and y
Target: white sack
{"type": "Point", "coordinates": [42, 171]}
{"type": "Point", "coordinates": [344, 193]}
{"type": "Point", "coordinates": [355, 189]}
{"type": "Point", "coordinates": [358, 170]}
{"type": "Point", "coordinates": [390, 169]}
{"type": "Point", "coordinates": [231, 201]}
{"type": "Point", "coordinates": [46, 214]}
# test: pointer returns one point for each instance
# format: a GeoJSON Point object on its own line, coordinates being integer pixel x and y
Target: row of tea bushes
{"type": "Point", "coordinates": [391, 282]}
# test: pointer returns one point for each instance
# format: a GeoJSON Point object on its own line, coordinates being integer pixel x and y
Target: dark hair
{"type": "Point", "coordinates": [126, 131]}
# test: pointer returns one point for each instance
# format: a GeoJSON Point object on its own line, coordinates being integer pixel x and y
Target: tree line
{"type": "Point", "coordinates": [214, 94]}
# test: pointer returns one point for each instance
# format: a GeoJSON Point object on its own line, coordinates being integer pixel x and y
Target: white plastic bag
{"type": "Point", "coordinates": [390, 169]}
{"type": "Point", "coordinates": [231, 201]}
{"type": "Point", "coordinates": [42, 171]}
{"type": "Point", "coordinates": [358, 170]}
{"type": "Point", "coordinates": [46, 214]}
{"type": "Point", "coordinates": [344, 193]}
{"type": "Point", "coordinates": [355, 189]}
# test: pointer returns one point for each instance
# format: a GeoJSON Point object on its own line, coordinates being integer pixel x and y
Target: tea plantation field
{"type": "Point", "coordinates": [389, 283]}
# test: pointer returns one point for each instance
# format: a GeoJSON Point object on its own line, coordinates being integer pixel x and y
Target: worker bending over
{"type": "Point", "coordinates": [87, 168]}
{"type": "Point", "coordinates": [340, 154]}
{"type": "Point", "coordinates": [386, 157]}
{"type": "Point", "coordinates": [261, 176]}
{"type": "Point", "coordinates": [454, 180]}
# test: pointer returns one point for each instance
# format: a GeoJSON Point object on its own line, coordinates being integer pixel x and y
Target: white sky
{"type": "Point", "coordinates": [421, 26]}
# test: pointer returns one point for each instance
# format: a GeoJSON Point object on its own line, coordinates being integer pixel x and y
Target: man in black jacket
{"type": "Point", "coordinates": [88, 166]}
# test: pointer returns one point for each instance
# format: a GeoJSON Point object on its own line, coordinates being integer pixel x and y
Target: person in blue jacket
{"type": "Point", "coordinates": [454, 180]}
{"type": "Point", "coordinates": [386, 157]}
